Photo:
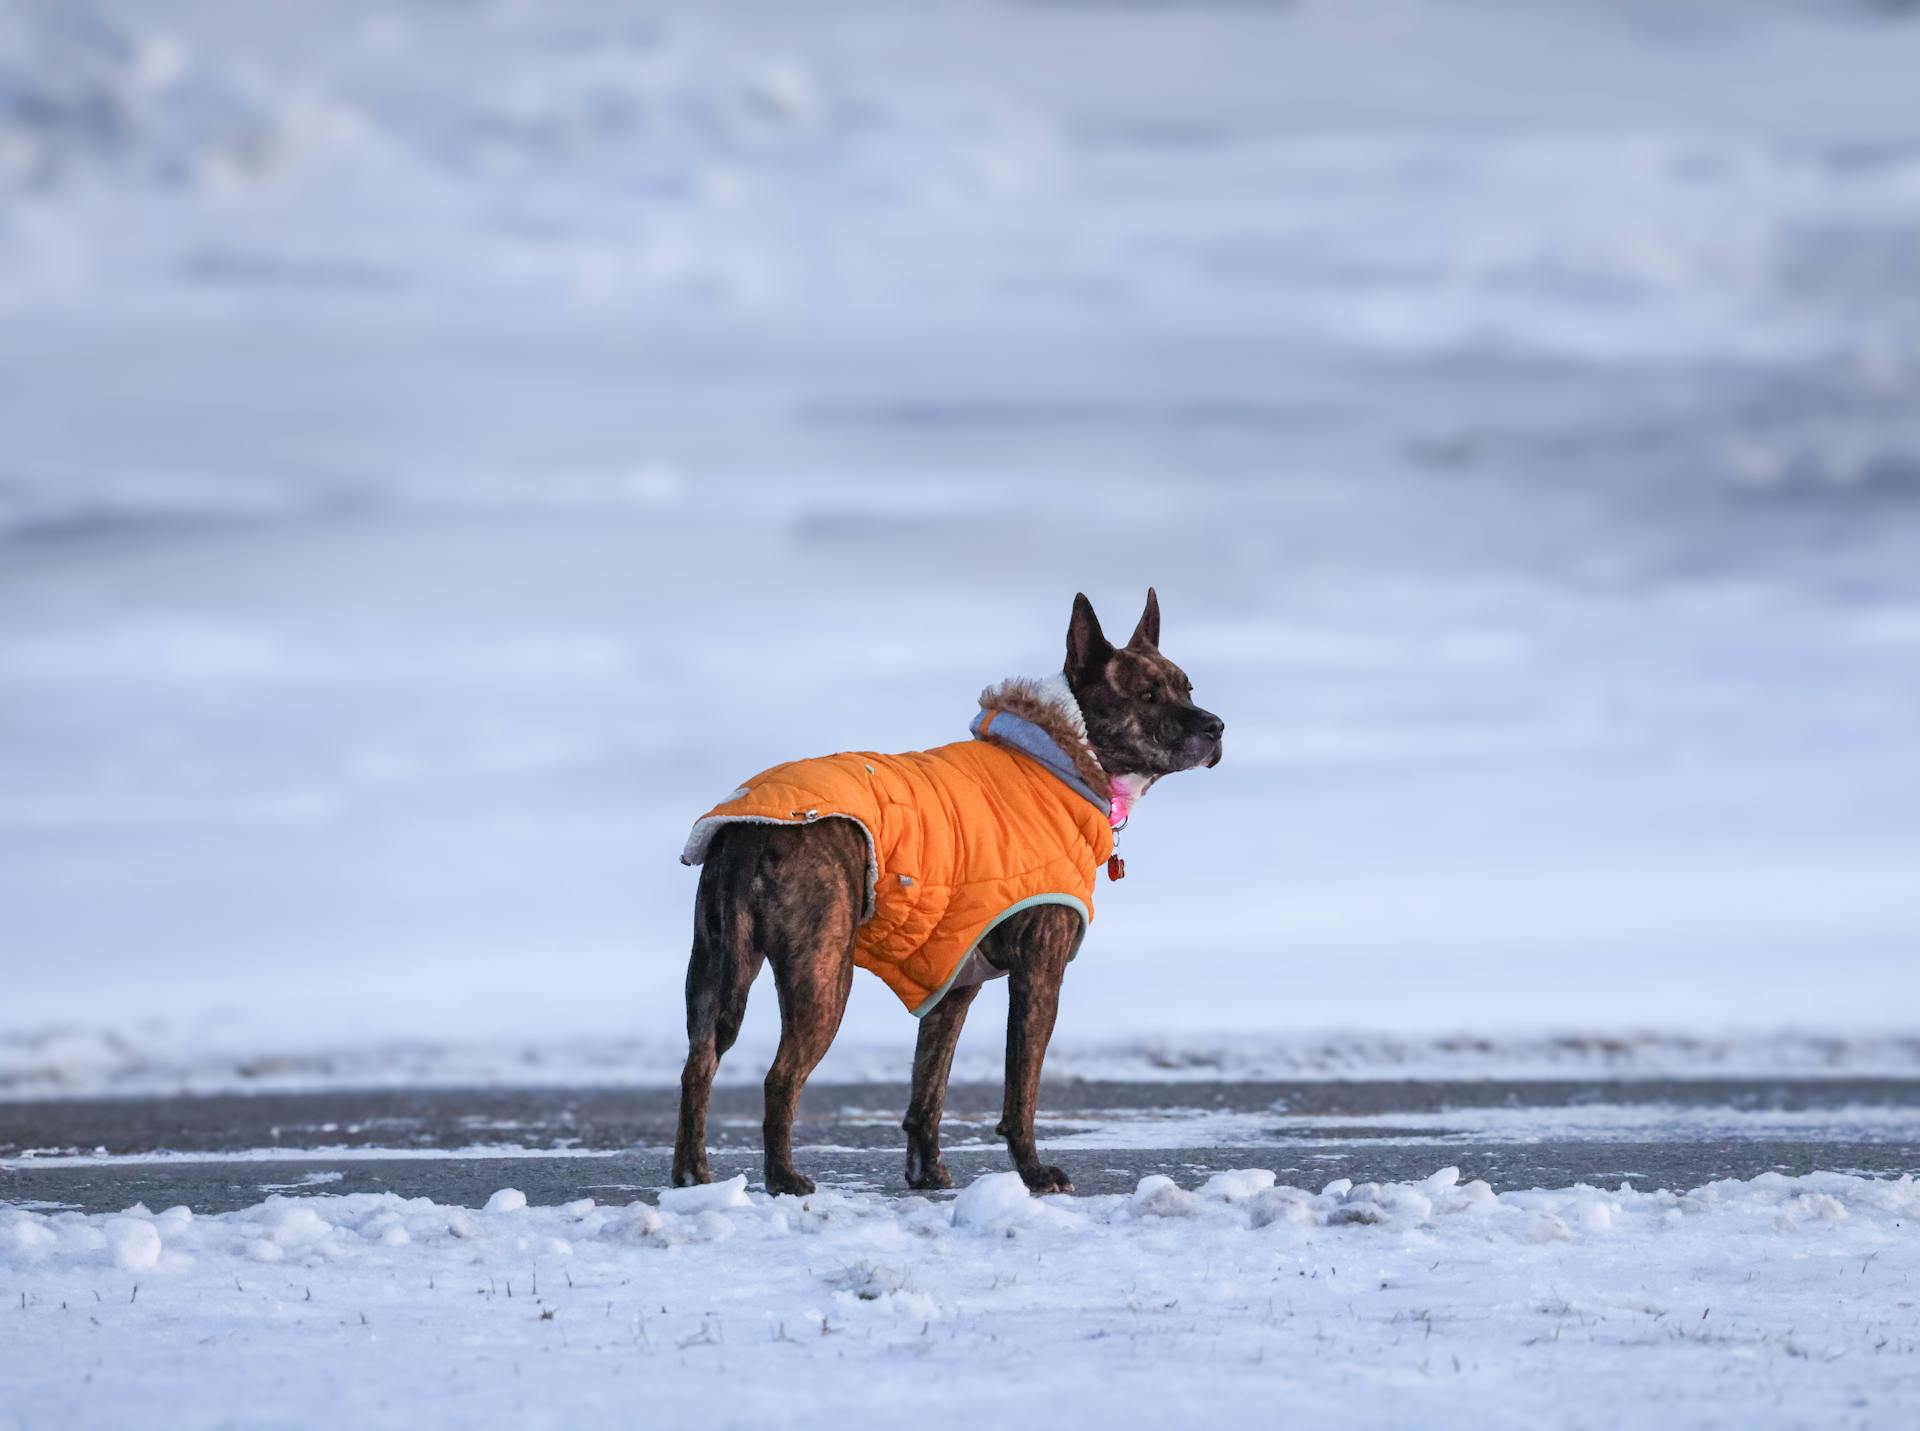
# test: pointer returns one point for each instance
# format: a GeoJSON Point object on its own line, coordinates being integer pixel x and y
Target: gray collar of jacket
{"type": "Point", "coordinates": [1019, 733]}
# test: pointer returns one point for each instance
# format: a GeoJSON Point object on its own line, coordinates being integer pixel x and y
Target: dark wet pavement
{"type": "Point", "coordinates": [614, 1143]}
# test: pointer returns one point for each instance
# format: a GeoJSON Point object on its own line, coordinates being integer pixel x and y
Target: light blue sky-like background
{"type": "Point", "coordinates": [445, 447]}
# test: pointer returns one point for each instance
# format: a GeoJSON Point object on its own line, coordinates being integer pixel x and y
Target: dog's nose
{"type": "Point", "coordinates": [1213, 727]}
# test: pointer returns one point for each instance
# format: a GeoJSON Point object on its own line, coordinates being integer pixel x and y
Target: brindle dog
{"type": "Point", "coordinates": [792, 896]}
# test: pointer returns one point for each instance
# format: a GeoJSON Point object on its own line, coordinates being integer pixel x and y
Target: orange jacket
{"type": "Point", "coordinates": [959, 838]}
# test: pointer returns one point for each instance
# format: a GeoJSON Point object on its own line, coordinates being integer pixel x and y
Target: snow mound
{"type": "Point", "coordinates": [1159, 1196]}
{"type": "Point", "coordinates": [359, 1226]}
{"type": "Point", "coordinates": [991, 1202]}
{"type": "Point", "coordinates": [707, 1197]}
{"type": "Point", "coordinates": [134, 1244]}
{"type": "Point", "coordinates": [1687, 1292]}
{"type": "Point", "coordinates": [1238, 1185]}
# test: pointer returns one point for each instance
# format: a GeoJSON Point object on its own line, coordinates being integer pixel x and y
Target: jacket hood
{"type": "Point", "coordinates": [1042, 720]}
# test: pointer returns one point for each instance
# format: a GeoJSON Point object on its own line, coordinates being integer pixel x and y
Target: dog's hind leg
{"type": "Point", "coordinates": [813, 998]}
{"type": "Point", "coordinates": [932, 1062]}
{"type": "Point", "coordinates": [726, 957]}
{"type": "Point", "coordinates": [813, 904]}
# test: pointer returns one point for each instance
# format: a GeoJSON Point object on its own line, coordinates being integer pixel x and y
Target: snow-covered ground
{"type": "Point", "coordinates": [446, 446]}
{"type": "Point", "coordinates": [1775, 1302]}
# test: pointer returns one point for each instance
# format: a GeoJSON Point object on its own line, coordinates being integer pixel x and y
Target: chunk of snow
{"type": "Point", "coordinates": [1820, 1205]}
{"type": "Point", "coordinates": [870, 1281]}
{"type": "Point", "coordinates": [134, 1243]}
{"type": "Point", "coordinates": [296, 1225]}
{"type": "Point", "coordinates": [1160, 1196]}
{"type": "Point", "coordinates": [991, 1201]}
{"type": "Point", "coordinates": [1238, 1185]}
{"type": "Point", "coordinates": [1548, 1227]}
{"type": "Point", "coordinates": [706, 1197]}
{"type": "Point", "coordinates": [29, 1233]}
{"type": "Point", "coordinates": [507, 1200]}
{"type": "Point", "coordinates": [1405, 1203]}
{"type": "Point", "coordinates": [1363, 1213]}
{"type": "Point", "coordinates": [1280, 1204]}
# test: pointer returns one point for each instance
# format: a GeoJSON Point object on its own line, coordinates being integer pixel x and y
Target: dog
{"type": "Point", "coordinates": [937, 870]}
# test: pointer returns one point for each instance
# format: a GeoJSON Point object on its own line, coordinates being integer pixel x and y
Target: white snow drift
{"type": "Point", "coordinates": [1780, 1300]}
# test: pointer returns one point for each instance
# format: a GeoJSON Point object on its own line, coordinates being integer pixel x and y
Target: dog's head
{"type": "Point", "coordinates": [1138, 705]}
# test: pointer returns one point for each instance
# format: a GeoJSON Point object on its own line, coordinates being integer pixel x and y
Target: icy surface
{"type": "Point", "coordinates": [1781, 1301]}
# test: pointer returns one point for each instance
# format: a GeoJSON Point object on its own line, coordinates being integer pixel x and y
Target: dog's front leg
{"type": "Point", "coordinates": [932, 1062]}
{"type": "Point", "coordinates": [1037, 964]}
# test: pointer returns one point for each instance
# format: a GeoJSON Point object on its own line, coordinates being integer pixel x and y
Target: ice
{"type": "Point", "coordinates": [1761, 1302]}
{"type": "Point", "coordinates": [705, 1197]}
{"type": "Point", "coordinates": [507, 1200]}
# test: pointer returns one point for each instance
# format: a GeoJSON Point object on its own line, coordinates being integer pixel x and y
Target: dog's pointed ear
{"type": "Point", "coordinates": [1146, 636]}
{"type": "Point", "coordinates": [1087, 646]}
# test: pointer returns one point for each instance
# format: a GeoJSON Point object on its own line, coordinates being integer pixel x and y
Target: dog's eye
{"type": "Point", "coordinates": [1149, 695]}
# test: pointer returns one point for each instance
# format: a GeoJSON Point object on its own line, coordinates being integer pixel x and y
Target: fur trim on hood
{"type": "Point", "coordinates": [1049, 704]}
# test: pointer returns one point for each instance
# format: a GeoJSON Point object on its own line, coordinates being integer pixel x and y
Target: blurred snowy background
{"type": "Point", "coordinates": [444, 446]}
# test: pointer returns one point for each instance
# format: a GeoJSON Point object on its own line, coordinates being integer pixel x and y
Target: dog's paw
{"type": "Point", "coordinates": [785, 1180]}
{"type": "Point", "coordinates": [1041, 1180]}
{"type": "Point", "coordinates": [930, 1178]}
{"type": "Point", "coordinates": [691, 1176]}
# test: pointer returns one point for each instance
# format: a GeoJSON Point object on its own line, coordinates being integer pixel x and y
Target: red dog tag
{"type": "Point", "coordinates": [1116, 867]}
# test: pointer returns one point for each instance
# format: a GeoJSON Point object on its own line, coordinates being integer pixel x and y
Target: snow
{"type": "Point", "coordinates": [195, 1058]}
{"type": "Point", "coordinates": [993, 1201]}
{"type": "Point", "coordinates": [1778, 1301]}
{"type": "Point", "coordinates": [1237, 1185]}
{"type": "Point", "coordinates": [1159, 1196]}
{"type": "Point", "coordinates": [709, 1197]}
{"type": "Point", "coordinates": [133, 1243]}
